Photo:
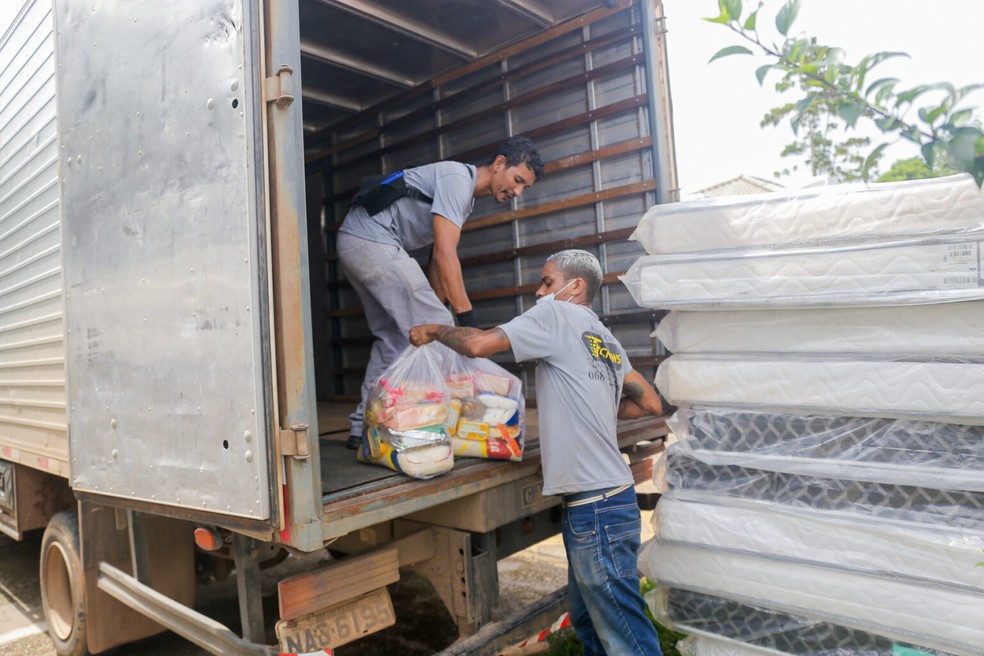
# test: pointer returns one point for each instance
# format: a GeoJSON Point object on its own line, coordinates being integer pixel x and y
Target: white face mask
{"type": "Point", "coordinates": [552, 295]}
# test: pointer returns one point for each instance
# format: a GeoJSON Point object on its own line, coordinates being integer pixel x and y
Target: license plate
{"type": "Point", "coordinates": [331, 627]}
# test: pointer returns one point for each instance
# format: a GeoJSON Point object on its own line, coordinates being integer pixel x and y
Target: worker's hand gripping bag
{"type": "Point", "coordinates": [406, 417]}
{"type": "Point", "coordinates": [487, 418]}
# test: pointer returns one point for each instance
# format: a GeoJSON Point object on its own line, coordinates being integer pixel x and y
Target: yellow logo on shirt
{"type": "Point", "coordinates": [599, 350]}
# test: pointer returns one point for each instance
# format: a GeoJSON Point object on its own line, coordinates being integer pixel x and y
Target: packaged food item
{"type": "Point", "coordinates": [461, 386]}
{"type": "Point", "coordinates": [454, 416]}
{"type": "Point", "coordinates": [472, 430]}
{"type": "Point", "coordinates": [472, 410]}
{"type": "Point", "coordinates": [406, 418]}
{"type": "Point", "coordinates": [495, 383]}
{"type": "Point", "coordinates": [490, 419]}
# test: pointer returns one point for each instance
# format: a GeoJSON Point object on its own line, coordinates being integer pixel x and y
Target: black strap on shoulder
{"type": "Point", "coordinates": [378, 192]}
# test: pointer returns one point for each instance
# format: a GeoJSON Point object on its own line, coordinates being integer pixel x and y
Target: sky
{"type": "Point", "coordinates": [717, 107]}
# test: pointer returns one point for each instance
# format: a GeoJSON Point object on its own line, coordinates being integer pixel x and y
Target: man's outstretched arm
{"type": "Point", "coordinates": [473, 342]}
{"type": "Point", "coordinates": [640, 398]}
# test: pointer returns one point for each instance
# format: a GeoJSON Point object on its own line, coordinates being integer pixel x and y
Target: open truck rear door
{"type": "Point", "coordinates": [167, 291]}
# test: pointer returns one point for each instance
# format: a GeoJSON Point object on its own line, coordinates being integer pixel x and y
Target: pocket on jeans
{"type": "Point", "coordinates": [582, 522]}
{"type": "Point", "coordinates": [623, 544]}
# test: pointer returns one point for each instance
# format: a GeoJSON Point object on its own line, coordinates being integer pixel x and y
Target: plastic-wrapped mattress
{"type": "Point", "coordinates": [949, 391]}
{"type": "Point", "coordinates": [690, 478]}
{"type": "Point", "coordinates": [886, 211]}
{"type": "Point", "coordinates": [878, 546]}
{"type": "Point", "coordinates": [722, 627]}
{"type": "Point", "coordinates": [938, 617]}
{"type": "Point", "coordinates": [867, 274]}
{"type": "Point", "coordinates": [895, 451]}
{"type": "Point", "coordinates": [947, 329]}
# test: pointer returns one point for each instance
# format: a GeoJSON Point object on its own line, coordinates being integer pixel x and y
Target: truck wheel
{"type": "Point", "coordinates": [63, 585]}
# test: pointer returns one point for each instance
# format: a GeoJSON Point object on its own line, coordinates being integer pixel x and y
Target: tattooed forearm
{"type": "Point", "coordinates": [633, 390]}
{"type": "Point", "coordinates": [472, 342]}
{"type": "Point", "coordinates": [457, 338]}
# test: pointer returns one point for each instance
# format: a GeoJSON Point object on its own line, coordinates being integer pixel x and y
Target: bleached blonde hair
{"type": "Point", "coordinates": [575, 263]}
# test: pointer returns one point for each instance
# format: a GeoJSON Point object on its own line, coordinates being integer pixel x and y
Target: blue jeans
{"type": "Point", "coordinates": [602, 543]}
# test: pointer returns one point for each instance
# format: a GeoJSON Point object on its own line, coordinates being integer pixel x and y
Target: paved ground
{"type": "Point", "coordinates": [524, 577]}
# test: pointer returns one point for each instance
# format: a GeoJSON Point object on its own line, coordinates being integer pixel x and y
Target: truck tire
{"type": "Point", "coordinates": [63, 585]}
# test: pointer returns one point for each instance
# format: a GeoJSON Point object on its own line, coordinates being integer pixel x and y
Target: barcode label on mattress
{"type": "Point", "coordinates": [959, 281]}
{"type": "Point", "coordinates": [961, 266]}
{"type": "Point", "coordinates": [959, 255]}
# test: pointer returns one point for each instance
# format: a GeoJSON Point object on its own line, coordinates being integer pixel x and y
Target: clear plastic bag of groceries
{"type": "Point", "coordinates": [487, 417]}
{"type": "Point", "coordinates": [406, 416]}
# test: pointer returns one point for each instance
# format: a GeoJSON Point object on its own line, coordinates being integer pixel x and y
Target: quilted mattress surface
{"type": "Point", "coordinates": [893, 273]}
{"type": "Point", "coordinates": [722, 627]}
{"type": "Point", "coordinates": [691, 479]}
{"type": "Point", "coordinates": [950, 391]}
{"type": "Point", "coordinates": [886, 211]}
{"type": "Point", "coordinates": [897, 451]}
{"type": "Point", "coordinates": [939, 617]}
{"type": "Point", "coordinates": [945, 329]}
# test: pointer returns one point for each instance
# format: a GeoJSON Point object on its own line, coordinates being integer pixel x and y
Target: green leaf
{"type": "Point", "coordinates": [850, 112]}
{"type": "Point", "coordinates": [794, 123]}
{"type": "Point", "coordinates": [751, 20]}
{"type": "Point", "coordinates": [978, 173]}
{"type": "Point", "coordinates": [870, 61]}
{"type": "Point", "coordinates": [810, 69]}
{"type": "Point", "coordinates": [930, 115]}
{"type": "Point", "coordinates": [871, 160]}
{"type": "Point", "coordinates": [963, 91]}
{"type": "Point", "coordinates": [911, 94]}
{"type": "Point", "coordinates": [884, 93]}
{"type": "Point", "coordinates": [733, 7]}
{"type": "Point", "coordinates": [761, 72]}
{"type": "Point", "coordinates": [887, 124]}
{"type": "Point", "coordinates": [730, 50]}
{"type": "Point", "coordinates": [929, 153]}
{"type": "Point", "coordinates": [786, 16]}
{"type": "Point", "coordinates": [880, 84]}
{"type": "Point", "coordinates": [912, 134]}
{"type": "Point", "coordinates": [724, 18]}
{"type": "Point", "coordinates": [834, 57]}
{"type": "Point", "coordinates": [800, 111]}
{"type": "Point", "coordinates": [958, 118]}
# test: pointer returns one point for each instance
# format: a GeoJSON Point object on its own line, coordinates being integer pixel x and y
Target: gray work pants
{"type": "Point", "coordinates": [395, 295]}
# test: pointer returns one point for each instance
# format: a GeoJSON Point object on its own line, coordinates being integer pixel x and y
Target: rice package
{"type": "Point", "coordinates": [486, 418]}
{"type": "Point", "coordinates": [406, 416]}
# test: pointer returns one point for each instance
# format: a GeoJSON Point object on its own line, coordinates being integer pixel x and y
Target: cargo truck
{"type": "Point", "coordinates": [178, 348]}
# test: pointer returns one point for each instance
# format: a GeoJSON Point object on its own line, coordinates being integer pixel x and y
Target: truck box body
{"type": "Point", "coordinates": [32, 383]}
{"type": "Point", "coordinates": [176, 336]}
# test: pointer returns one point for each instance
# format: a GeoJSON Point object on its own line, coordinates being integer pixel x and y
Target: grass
{"type": "Point", "coordinates": [566, 643]}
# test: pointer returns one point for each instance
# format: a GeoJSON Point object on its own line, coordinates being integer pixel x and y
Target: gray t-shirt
{"type": "Point", "coordinates": [579, 380]}
{"type": "Point", "coordinates": [410, 223]}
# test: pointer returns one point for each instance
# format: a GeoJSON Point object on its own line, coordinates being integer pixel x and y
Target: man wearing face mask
{"type": "Point", "coordinates": [582, 374]}
{"type": "Point", "coordinates": [409, 210]}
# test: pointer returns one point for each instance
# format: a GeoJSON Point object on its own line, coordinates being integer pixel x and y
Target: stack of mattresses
{"type": "Point", "coordinates": [826, 495]}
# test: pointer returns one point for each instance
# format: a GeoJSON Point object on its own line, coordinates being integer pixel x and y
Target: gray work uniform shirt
{"type": "Point", "coordinates": [579, 380]}
{"type": "Point", "coordinates": [408, 222]}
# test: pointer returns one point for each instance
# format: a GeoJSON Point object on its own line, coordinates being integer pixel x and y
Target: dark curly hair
{"type": "Point", "coordinates": [520, 150]}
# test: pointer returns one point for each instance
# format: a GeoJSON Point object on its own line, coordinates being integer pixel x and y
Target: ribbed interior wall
{"type": "Point", "coordinates": [581, 94]}
{"type": "Point", "coordinates": [33, 425]}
